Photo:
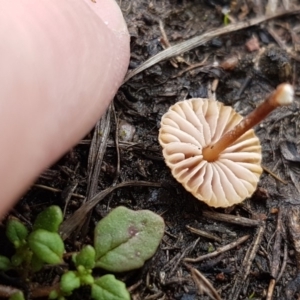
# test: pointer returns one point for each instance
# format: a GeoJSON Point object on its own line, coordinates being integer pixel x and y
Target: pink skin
{"type": "Point", "coordinates": [61, 64]}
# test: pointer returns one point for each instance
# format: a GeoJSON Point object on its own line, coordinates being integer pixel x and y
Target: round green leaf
{"type": "Point", "coordinates": [16, 232]}
{"type": "Point", "coordinates": [49, 219]}
{"type": "Point", "coordinates": [125, 239]}
{"type": "Point", "coordinates": [85, 258]}
{"type": "Point", "coordinates": [16, 260]}
{"type": "Point", "coordinates": [69, 282]}
{"type": "Point", "coordinates": [109, 288]}
{"type": "Point", "coordinates": [5, 263]}
{"type": "Point", "coordinates": [36, 263]}
{"type": "Point", "coordinates": [47, 246]}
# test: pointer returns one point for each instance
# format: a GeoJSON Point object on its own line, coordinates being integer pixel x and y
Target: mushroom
{"type": "Point", "coordinates": [212, 150]}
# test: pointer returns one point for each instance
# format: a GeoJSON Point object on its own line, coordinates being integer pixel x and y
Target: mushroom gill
{"type": "Point", "coordinates": [211, 149]}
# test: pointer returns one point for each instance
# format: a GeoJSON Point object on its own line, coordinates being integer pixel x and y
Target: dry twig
{"type": "Point", "coordinates": [241, 277]}
{"type": "Point", "coordinates": [231, 219]}
{"type": "Point", "coordinates": [97, 151]}
{"type": "Point", "coordinates": [174, 262]}
{"type": "Point", "coordinates": [274, 175]}
{"type": "Point", "coordinates": [276, 257]}
{"type": "Point", "coordinates": [203, 284]}
{"type": "Point", "coordinates": [117, 173]}
{"type": "Point", "coordinates": [293, 226]}
{"type": "Point", "coordinates": [219, 250]}
{"type": "Point", "coordinates": [203, 233]}
{"type": "Point", "coordinates": [49, 188]}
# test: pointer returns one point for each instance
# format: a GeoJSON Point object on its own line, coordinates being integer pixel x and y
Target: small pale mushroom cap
{"type": "Point", "coordinates": [191, 125]}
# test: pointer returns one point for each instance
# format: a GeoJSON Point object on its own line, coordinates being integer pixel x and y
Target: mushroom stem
{"type": "Point", "coordinates": [282, 96]}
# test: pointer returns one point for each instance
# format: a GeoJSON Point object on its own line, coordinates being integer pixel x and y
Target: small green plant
{"type": "Point", "coordinates": [226, 19]}
{"type": "Point", "coordinates": [43, 245]}
{"type": "Point", "coordinates": [123, 241]}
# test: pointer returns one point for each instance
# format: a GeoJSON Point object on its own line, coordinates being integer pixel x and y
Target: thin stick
{"type": "Point", "coordinates": [49, 188]}
{"type": "Point", "coordinates": [275, 263]}
{"type": "Point", "coordinates": [284, 261]}
{"type": "Point", "coordinates": [117, 173]}
{"type": "Point", "coordinates": [232, 219]}
{"type": "Point", "coordinates": [219, 250]}
{"type": "Point", "coordinates": [274, 268]}
{"type": "Point", "coordinates": [203, 283]}
{"type": "Point", "coordinates": [246, 265]}
{"type": "Point", "coordinates": [271, 289]}
{"type": "Point", "coordinates": [174, 262]}
{"type": "Point", "coordinates": [203, 233]}
{"type": "Point", "coordinates": [273, 281]}
{"type": "Point", "coordinates": [183, 254]}
{"type": "Point", "coordinates": [274, 175]}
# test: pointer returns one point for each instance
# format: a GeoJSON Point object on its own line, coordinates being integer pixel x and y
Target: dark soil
{"type": "Point", "coordinates": [271, 249]}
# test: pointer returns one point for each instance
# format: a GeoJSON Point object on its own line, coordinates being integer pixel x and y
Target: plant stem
{"type": "Point", "coordinates": [283, 95]}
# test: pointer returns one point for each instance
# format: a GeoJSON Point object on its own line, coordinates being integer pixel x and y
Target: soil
{"type": "Point", "coordinates": [128, 139]}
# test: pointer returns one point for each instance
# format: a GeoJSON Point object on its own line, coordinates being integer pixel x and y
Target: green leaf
{"type": "Point", "coordinates": [49, 219]}
{"type": "Point", "coordinates": [17, 296]}
{"type": "Point", "coordinates": [109, 288]}
{"type": "Point", "coordinates": [69, 282]}
{"type": "Point", "coordinates": [36, 263]}
{"type": "Point", "coordinates": [53, 294]}
{"type": "Point", "coordinates": [5, 263]}
{"type": "Point", "coordinates": [85, 258]}
{"type": "Point", "coordinates": [22, 255]}
{"type": "Point", "coordinates": [47, 246]}
{"type": "Point", "coordinates": [16, 232]}
{"type": "Point", "coordinates": [124, 239]}
{"type": "Point", "coordinates": [85, 275]}
{"type": "Point", "coordinates": [17, 259]}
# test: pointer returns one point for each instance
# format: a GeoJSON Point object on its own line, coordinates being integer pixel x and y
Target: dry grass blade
{"type": "Point", "coordinates": [276, 256]}
{"type": "Point", "coordinates": [68, 226]}
{"type": "Point", "coordinates": [69, 193]}
{"type": "Point", "coordinates": [96, 154]}
{"type": "Point", "coordinates": [274, 175]}
{"type": "Point", "coordinates": [117, 173]}
{"type": "Point", "coordinates": [203, 284]}
{"type": "Point", "coordinates": [204, 38]}
{"type": "Point", "coordinates": [219, 250]}
{"type": "Point", "coordinates": [242, 276]}
{"type": "Point", "coordinates": [97, 151]}
{"type": "Point", "coordinates": [284, 261]}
